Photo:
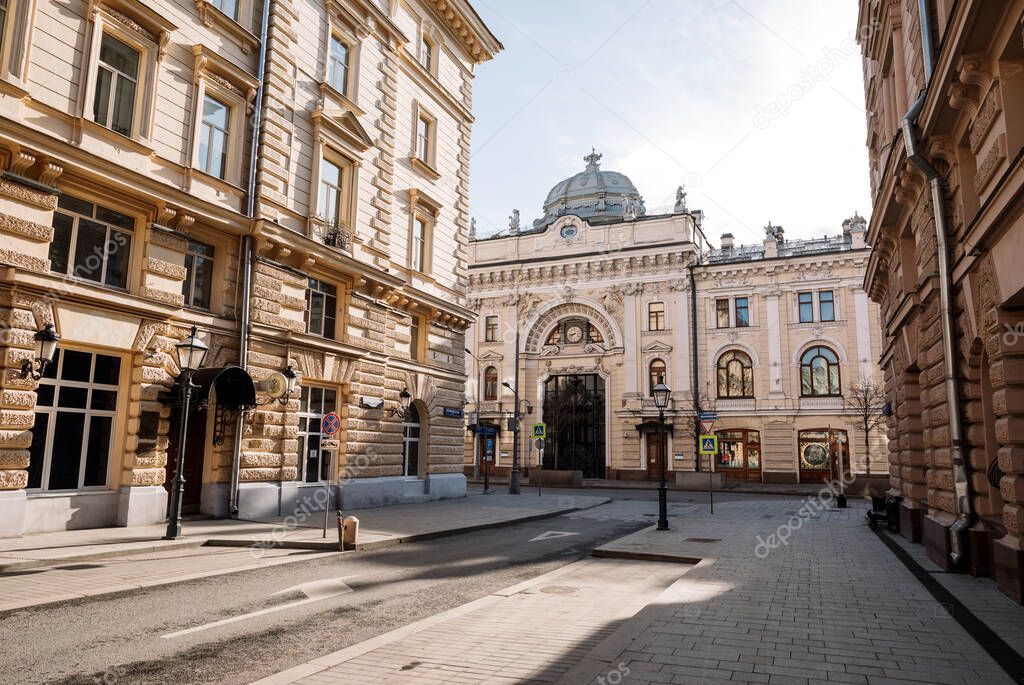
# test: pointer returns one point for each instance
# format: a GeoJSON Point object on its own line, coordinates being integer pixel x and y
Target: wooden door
{"type": "Point", "coordinates": [195, 450]}
{"type": "Point", "coordinates": [654, 450]}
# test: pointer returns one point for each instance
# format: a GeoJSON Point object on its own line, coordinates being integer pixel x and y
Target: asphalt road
{"type": "Point", "coordinates": [278, 617]}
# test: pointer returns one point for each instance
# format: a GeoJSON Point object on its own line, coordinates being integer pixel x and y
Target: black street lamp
{"type": "Point", "coordinates": [661, 394]}
{"type": "Point", "coordinates": [513, 476]}
{"type": "Point", "coordinates": [46, 346]}
{"type": "Point", "coordinates": [191, 354]}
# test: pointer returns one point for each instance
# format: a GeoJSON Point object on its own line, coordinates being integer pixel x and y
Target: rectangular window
{"type": "Point", "coordinates": [722, 313]}
{"type": "Point", "coordinates": [91, 242]}
{"type": "Point", "coordinates": [314, 404]}
{"type": "Point", "coordinates": [338, 65]}
{"type": "Point", "coordinates": [213, 137]}
{"type": "Point", "coordinates": [198, 275]}
{"type": "Point", "coordinates": [4, 10]}
{"type": "Point", "coordinates": [321, 308]}
{"type": "Point", "coordinates": [826, 306]}
{"type": "Point", "coordinates": [117, 79]}
{"type": "Point", "coordinates": [491, 329]}
{"type": "Point", "coordinates": [806, 303]}
{"type": "Point", "coordinates": [420, 230]}
{"type": "Point", "coordinates": [656, 316]}
{"type": "Point", "coordinates": [427, 54]}
{"type": "Point", "coordinates": [332, 184]}
{"type": "Point", "coordinates": [414, 339]}
{"type": "Point", "coordinates": [227, 7]}
{"type": "Point", "coordinates": [742, 312]}
{"type": "Point", "coordinates": [74, 422]}
{"type": "Point", "coordinates": [424, 138]}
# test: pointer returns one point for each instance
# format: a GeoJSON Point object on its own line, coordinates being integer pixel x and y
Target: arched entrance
{"type": "Point", "coordinates": [574, 410]}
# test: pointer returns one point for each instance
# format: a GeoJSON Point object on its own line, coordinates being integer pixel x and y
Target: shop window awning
{"type": "Point", "coordinates": [652, 427]}
{"type": "Point", "coordinates": [232, 385]}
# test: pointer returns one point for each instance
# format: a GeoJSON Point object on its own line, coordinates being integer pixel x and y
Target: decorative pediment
{"type": "Point", "coordinates": [657, 347]}
{"type": "Point", "coordinates": [491, 356]}
{"type": "Point", "coordinates": [343, 127]}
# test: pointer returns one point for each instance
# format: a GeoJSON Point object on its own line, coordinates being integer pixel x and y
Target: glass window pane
{"type": "Point", "coordinates": [313, 459]}
{"type": "Point", "coordinates": [44, 395]}
{"type": "Point", "coordinates": [102, 400]}
{"type": "Point", "coordinates": [101, 101]}
{"type": "Point", "coordinates": [118, 250]}
{"type": "Point", "coordinates": [77, 366]}
{"type": "Point", "coordinates": [66, 455]}
{"type": "Point", "coordinates": [203, 275]}
{"type": "Point", "coordinates": [72, 398]}
{"type": "Point", "coordinates": [120, 56]}
{"type": "Point", "coordinates": [97, 452]}
{"type": "Point", "coordinates": [38, 450]}
{"type": "Point", "coordinates": [73, 204]}
{"type": "Point", "coordinates": [89, 248]}
{"type": "Point", "coordinates": [60, 247]}
{"type": "Point", "coordinates": [108, 369]}
{"type": "Point", "coordinates": [124, 107]}
{"type": "Point", "coordinates": [109, 216]}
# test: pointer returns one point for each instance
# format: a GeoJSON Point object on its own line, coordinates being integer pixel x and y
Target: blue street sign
{"type": "Point", "coordinates": [707, 416]}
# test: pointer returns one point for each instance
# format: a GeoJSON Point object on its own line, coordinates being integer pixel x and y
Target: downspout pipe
{"type": "Point", "coordinates": [946, 314]}
{"type": "Point", "coordinates": [695, 369]}
{"type": "Point", "coordinates": [247, 248]}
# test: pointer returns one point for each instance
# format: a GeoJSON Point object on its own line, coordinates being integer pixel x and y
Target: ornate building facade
{"type": "Point", "coordinates": [608, 301]}
{"type": "Point", "coordinates": [308, 214]}
{"type": "Point", "coordinates": [944, 98]}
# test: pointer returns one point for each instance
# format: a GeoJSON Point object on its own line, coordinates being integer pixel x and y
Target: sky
{"type": "Point", "coordinates": [756, 106]}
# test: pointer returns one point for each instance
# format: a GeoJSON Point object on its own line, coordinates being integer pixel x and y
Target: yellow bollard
{"type": "Point", "coordinates": [350, 531]}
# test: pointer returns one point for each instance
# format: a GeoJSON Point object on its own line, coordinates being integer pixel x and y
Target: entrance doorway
{"type": "Point", "coordinates": [574, 409]}
{"type": "Point", "coordinates": [411, 442]}
{"type": "Point", "coordinates": [739, 455]}
{"type": "Point", "coordinates": [655, 450]}
{"type": "Point", "coordinates": [195, 452]}
{"type": "Point", "coordinates": [820, 453]}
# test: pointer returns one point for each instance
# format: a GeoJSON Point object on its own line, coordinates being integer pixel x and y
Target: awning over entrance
{"type": "Point", "coordinates": [652, 427]}
{"type": "Point", "coordinates": [235, 390]}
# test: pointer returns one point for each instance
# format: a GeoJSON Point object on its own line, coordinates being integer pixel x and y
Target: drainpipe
{"type": "Point", "coordinates": [695, 369]}
{"type": "Point", "coordinates": [957, 532]}
{"type": "Point", "coordinates": [250, 212]}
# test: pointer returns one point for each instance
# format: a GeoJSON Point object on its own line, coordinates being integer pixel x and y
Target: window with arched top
{"type": "Point", "coordinates": [574, 332]}
{"type": "Point", "coordinates": [735, 375]}
{"type": "Point", "coordinates": [657, 373]}
{"type": "Point", "coordinates": [819, 373]}
{"type": "Point", "coordinates": [490, 384]}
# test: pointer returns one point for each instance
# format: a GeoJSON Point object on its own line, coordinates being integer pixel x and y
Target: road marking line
{"type": "Point", "coordinates": [315, 591]}
{"type": "Point", "coordinates": [551, 535]}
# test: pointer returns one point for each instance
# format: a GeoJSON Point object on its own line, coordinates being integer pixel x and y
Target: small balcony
{"type": "Point", "coordinates": [334, 235]}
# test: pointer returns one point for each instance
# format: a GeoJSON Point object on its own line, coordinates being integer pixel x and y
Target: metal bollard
{"type": "Point", "coordinates": [351, 528]}
{"type": "Point", "coordinates": [341, 532]}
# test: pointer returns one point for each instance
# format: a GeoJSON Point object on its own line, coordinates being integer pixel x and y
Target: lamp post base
{"type": "Point", "coordinates": [513, 482]}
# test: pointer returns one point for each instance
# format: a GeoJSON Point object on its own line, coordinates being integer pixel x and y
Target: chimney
{"type": "Point", "coordinates": [727, 242]}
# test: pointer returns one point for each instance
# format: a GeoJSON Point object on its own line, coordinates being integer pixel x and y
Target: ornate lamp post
{"type": "Point", "coordinates": [46, 346]}
{"type": "Point", "coordinates": [661, 394]}
{"type": "Point", "coordinates": [191, 354]}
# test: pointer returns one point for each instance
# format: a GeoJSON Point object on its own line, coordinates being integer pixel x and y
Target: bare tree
{"type": "Point", "coordinates": [866, 402]}
{"type": "Point", "coordinates": [687, 424]}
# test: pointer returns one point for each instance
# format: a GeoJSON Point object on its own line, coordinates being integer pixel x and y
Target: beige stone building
{"type": "Point", "coordinates": [944, 97]}
{"type": "Point", "coordinates": [609, 300]}
{"type": "Point", "coordinates": [130, 209]}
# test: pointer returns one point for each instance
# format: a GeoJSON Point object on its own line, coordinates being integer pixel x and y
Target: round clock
{"type": "Point", "coordinates": [568, 232]}
{"type": "Point", "coordinates": [574, 334]}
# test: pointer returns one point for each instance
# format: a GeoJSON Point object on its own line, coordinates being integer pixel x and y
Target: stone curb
{"type": "Point", "coordinates": [116, 549]}
{"type": "Point", "coordinates": [390, 542]}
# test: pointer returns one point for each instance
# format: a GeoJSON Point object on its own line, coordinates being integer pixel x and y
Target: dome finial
{"type": "Point", "coordinates": [593, 160]}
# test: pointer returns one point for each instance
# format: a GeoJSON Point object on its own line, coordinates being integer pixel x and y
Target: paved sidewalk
{"type": "Point", "coordinates": [53, 567]}
{"type": "Point", "coordinates": [832, 604]}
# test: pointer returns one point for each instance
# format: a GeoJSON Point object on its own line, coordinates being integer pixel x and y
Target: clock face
{"type": "Point", "coordinates": [574, 334]}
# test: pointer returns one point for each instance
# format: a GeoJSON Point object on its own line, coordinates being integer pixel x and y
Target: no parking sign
{"type": "Point", "coordinates": [330, 424]}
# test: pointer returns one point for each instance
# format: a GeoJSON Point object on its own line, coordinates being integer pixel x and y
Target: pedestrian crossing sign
{"type": "Point", "coordinates": [709, 444]}
{"type": "Point", "coordinates": [540, 431]}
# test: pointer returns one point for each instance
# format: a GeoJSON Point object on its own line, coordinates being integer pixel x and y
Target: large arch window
{"type": "Point", "coordinates": [657, 373]}
{"type": "Point", "coordinates": [490, 384]}
{"type": "Point", "coordinates": [574, 332]}
{"type": "Point", "coordinates": [819, 373]}
{"type": "Point", "coordinates": [735, 375]}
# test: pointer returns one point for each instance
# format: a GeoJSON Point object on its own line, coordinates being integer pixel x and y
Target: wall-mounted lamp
{"type": "Point", "coordinates": [280, 386]}
{"type": "Point", "coordinates": [46, 346]}
{"type": "Point", "coordinates": [404, 400]}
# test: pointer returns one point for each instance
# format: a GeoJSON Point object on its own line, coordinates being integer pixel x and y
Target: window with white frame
{"type": "Point", "coordinates": [339, 63]}
{"type": "Point", "coordinates": [418, 243]}
{"type": "Point", "coordinates": [73, 434]}
{"type": "Point", "coordinates": [656, 316]}
{"type": "Point", "coordinates": [826, 306]}
{"type": "Point", "coordinates": [5, 10]}
{"type": "Point", "coordinates": [491, 329]}
{"type": "Point", "coordinates": [805, 303]}
{"type": "Point", "coordinates": [415, 338]}
{"type": "Point", "coordinates": [314, 404]}
{"type": "Point", "coordinates": [214, 137]}
{"type": "Point", "coordinates": [198, 282]}
{"type": "Point", "coordinates": [425, 126]}
{"type": "Point", "coordinates": [321, 308]}
{"type": "Point", "coordinates": [117, 81]}
{"type": "Point", "coordinates": [427, 52]}
{"type": "Point", "coordinates": [334, 199]}
{"type": "Point", "coordinates": [742, 305]}
{"type": "Point", "coordinates": [91, 242]}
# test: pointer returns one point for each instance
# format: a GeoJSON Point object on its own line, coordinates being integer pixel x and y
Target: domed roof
{"type": "Point", "coordinates": [595, 195]}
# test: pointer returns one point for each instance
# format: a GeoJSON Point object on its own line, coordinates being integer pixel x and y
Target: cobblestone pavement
{"type": "Point", "coordinates": [829, 604]}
